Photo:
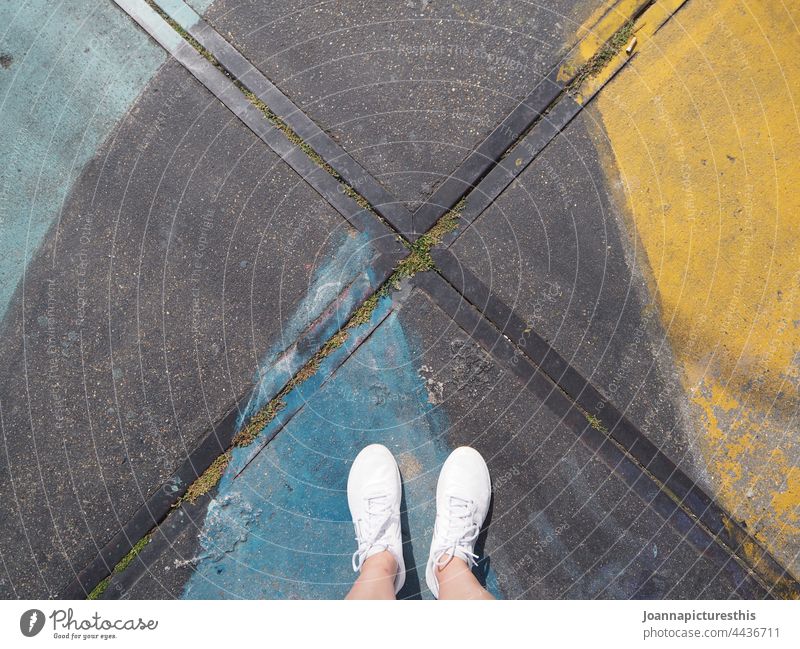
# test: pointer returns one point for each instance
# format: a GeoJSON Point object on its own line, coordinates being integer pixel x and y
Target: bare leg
{"type": "Point", "coordinates": [463, 496]}
{"type": "Point", "coordinates": [376, 580]}
{"type": "Point", "coordinates": [456, 581]}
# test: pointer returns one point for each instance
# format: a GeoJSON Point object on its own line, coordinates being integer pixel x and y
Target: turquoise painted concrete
{"type": "Point", "coordinates": [71, 70]}
{"type": "Point", "coordinates": [200, 6]}
{"type": "Point", "coordinates": [282, 528]}
{"type": "Point", "coordinates": [154, 24]}
{"type": "Point", "coordinates": [182, 13]}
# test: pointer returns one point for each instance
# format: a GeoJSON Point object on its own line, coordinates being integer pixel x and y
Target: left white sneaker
{"type": "Point", "coordinates": [373, 493]}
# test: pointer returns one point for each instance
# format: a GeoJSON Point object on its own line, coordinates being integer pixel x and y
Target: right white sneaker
{"type": "Point", "coordinates": [462, 502]}
{"type": "Point", "coordinates": [373, 494]}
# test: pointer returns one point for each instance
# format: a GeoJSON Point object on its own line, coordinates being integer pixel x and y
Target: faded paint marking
{"type": "Point", "coordinates": [705, 133]}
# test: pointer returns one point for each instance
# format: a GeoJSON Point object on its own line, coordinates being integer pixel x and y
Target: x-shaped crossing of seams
{"type": "Point", "coordinates": [368, 207]}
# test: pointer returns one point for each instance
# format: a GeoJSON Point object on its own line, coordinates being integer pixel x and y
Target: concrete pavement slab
{"type": "Point", "coordinates": [563, 524]}
{"type": "Point", "coordinates": [409, 89]}
{"type": "Point", "coordinates": [705, 174]}
{"type": "Point", "coordinates": [166, 286]}
{"type": "Point", "coordinates": [554, 249]}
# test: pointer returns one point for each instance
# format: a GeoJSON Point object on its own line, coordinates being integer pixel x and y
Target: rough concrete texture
{"type": "Point", "coordinates": [703, 135]}
{"type": "Point", "coordinates": [552, 247]}
{"type": "Point", "coordinates": [183, 249]}
{"type": "Point", "coordinates": [161, 265]}
{"type": "Point", "coordinates": [408, 88]}
{"type": "Point", "coordinates": [562, 524]}
{"type": "Point", "coordinates": [64, 84]}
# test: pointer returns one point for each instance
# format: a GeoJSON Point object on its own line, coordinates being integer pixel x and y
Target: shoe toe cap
{"type": "Point", "coordinates": [466, 470]}
{"type": "Point", "coordinates": [373, 469]}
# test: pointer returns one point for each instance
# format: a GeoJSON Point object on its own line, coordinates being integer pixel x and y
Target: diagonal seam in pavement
{"type": "Point", "coordinates": [482, 176]}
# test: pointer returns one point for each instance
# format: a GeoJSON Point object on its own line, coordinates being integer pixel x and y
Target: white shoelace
{"type": "Point", "coordinates": [370, 530]}
{"type": "Point", "coordinates": [461, 532]}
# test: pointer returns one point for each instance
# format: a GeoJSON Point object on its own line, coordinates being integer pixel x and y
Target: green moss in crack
{"type": "Point", "coordinates": [595, 423]}
{"type": "Point", "coordinates": [126, 561]}
{"type": "Point", "coordinates": [208, 479]}
{"type": "Point", "coordinates": [602, 57]}
{"type": "Point", "coordinates": [420, 260]}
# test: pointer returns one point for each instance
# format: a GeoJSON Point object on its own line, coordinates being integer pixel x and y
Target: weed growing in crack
{"type": "Point", "coordinates": [595, 423]}
{"type": "Point", "coordinates": [420, 259]}
{"type": "Point", "coordinates": [304, 146]}
{"type": "Point", "coordinates": [602, 57]}
{"type": "Point", "coordinates": [208, 479]}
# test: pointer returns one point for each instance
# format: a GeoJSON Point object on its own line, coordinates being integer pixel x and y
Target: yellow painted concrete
{"type": "Point", "coordinates": [644, 28]}
{"type": "Point", "coordinates": [606, 19]}
{"type": "Point", "coordinates": [704, 125]}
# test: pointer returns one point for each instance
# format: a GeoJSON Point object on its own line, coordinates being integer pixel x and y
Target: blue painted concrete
{"type": "Point", "coordinates": [75, 69]}
{"type": "Point", "coordinates": [282, 528]}
{"type": "Point", "coordinates": [339, 284]}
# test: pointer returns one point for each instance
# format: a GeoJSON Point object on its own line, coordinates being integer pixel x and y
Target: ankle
{"type": "Point", "coordinates": [454, 566]}
{"type": "Point", "coordinates": [383, 562]}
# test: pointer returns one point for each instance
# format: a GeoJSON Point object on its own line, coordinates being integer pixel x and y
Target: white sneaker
{"type": "Point", "coordinates": [373, 493]}
{"type": "Point", "coordinates": [462, 502]}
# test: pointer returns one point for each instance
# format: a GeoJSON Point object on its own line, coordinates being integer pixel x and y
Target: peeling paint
{"type": "Point", "coordinates": [290, 535]}
{"type": "Point", "coordinates": [705, 134]}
